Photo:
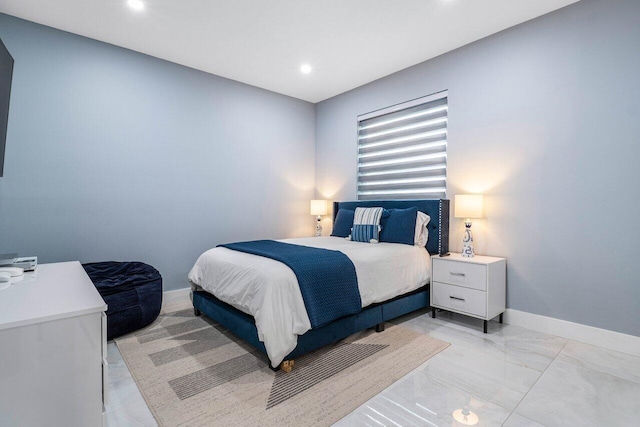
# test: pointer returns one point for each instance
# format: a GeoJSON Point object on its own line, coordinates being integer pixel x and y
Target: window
{"type": "Point", "coordinates": [402, 150]}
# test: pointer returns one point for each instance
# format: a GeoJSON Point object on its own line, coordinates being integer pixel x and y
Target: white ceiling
{"type": "Point", "coordinates": [263, 43]}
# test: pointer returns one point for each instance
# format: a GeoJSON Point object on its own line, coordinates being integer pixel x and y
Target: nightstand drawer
{"type": "Point", "coordinates": [460, 273]}
{"type": "Point", "coordinates": [460, 299]}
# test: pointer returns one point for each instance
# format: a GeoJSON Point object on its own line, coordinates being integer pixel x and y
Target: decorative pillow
{"type": "Point", "coordinates": [343, 223]}
{"type": "Point", "coordinates": [366, 225]}
{"type": "Point", "coordinates": [400, 226]}
{"type": "Point", "coordinates": [422, 232]}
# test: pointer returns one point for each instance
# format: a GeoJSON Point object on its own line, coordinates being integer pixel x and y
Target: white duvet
{"type": "Point", "coordinates": [268, 290]}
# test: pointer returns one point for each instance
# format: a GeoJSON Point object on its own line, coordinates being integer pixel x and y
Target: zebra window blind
{"type": "Point", "coordinates": [402, 150]}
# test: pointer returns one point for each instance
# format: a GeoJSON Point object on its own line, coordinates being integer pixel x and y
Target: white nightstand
{"type": "Point", "coordinates": [471, 286]}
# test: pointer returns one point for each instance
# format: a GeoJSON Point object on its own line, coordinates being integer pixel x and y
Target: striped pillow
{"type": "Point", "coordinates": [366, 225]}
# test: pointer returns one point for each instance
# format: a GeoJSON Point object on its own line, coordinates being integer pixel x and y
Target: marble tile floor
{"type": "Point", "coordinates": [125, 406]}
{"type": "Point", "coordinates": [511, 376]}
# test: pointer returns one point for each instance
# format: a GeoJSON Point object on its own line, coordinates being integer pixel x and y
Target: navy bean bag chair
{"type": "Point", "coordinates": [132, 291]}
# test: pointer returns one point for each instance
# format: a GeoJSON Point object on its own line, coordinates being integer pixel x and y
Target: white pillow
{"type": "Point", "coordinates": [422, 233]}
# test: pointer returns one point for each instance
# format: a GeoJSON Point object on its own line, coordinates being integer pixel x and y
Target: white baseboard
{"type": "Point", "coordinates": [611, 340]}
{"type": "Point", "coordinates": [616, 341]}
{"type": "Point", "coordinates": [169, 297]}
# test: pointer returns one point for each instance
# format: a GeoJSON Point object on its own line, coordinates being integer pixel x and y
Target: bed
{"type": "Point", "coordinates": [258, 299]}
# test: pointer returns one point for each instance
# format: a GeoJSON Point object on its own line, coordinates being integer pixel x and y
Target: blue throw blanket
{"type": "Point", "coordinates": [327, 278]}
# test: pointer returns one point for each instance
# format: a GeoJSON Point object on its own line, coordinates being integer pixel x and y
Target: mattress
{"type": "Point", "coordinates": [268, 290]}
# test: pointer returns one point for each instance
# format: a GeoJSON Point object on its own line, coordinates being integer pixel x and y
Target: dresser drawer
{"type": "Point", "coordinates": [460, 273]}
{"type": "Point", "coordinates": [460, 299]}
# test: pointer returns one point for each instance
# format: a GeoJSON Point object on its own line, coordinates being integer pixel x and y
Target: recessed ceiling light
{"type": "Point", "coordinates": [305, 68]}
{"type": "Point", "coordinates": [136, 4]}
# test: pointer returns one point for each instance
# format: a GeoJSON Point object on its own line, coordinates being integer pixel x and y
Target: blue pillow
{"type": "Point", "coordinates": [343, 223]}
{"type": "Point", "coordinates": [399, 226]}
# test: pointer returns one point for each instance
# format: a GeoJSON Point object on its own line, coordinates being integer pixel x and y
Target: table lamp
{"type": "Point", "coordinates": [468, 206]}
{"type": "Point", "coordinates": [318, 208]}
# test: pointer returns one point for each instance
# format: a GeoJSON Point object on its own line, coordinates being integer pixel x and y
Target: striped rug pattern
{"type": "Point", "coordinates": [193, 372]}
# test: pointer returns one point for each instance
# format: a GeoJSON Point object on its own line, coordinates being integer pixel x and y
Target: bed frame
{"type": "Point", "coordinates": [243, 325]}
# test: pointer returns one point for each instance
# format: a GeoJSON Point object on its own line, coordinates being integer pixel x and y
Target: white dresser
{"type": "Point", "coordinates": [473, 286]}
{"type": "Point", "coordinates": [53, 349]}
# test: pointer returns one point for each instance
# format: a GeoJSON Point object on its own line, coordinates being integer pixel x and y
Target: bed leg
{"type": "Point", "coordinates": [380, 327]}
{"type": "Point", "coordinates": [287, 365]}
{"type": "Point", "coordinates": [433, 313]}
{"type": "Point", "coordinates": [196, 312]}
{"type": "Point", "coordinates": [485, 326]}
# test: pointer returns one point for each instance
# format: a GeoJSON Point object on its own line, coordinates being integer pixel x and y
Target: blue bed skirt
{"type": "Point", "coordinates": [243, 326]}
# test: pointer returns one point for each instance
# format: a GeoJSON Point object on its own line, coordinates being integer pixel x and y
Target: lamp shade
{"type": "Point", "coordinates": [468, 206]}
{"type": "Point", "coordinates": [318, 207]}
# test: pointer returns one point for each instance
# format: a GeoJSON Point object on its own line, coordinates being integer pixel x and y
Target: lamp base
{"type": "Point", "coordinates": [467, 240]}
{"type": "Point", "coordinates": [318, 227]}
{"type": "Point", "coordinates": [467, 251]}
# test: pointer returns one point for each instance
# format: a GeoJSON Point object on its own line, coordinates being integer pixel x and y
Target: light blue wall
{"type": "Point", "coordinates": [545, 121]}
{"type": "Point", "coordinates": [114, 155]}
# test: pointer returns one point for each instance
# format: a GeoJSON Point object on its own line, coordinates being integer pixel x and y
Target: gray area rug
{"type": "Point", "coordinates": [193, 372]}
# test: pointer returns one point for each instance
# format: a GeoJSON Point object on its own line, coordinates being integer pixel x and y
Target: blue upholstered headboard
{"type": "Point", "coordinates": [437, 209]}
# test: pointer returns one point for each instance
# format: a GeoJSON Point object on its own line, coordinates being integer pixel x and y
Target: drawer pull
{"type": "Point", "coordinates": [457, 274]}
{"type": "Point", "coordinates": [456, 298]}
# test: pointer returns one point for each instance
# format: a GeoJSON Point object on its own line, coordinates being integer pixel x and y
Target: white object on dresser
{"type": "Point", "coordinates": [53, 349]}
{"type": "Point", "coordinates": [12, 271]}
{"type": "Point", "coordinates": [472, 286]}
